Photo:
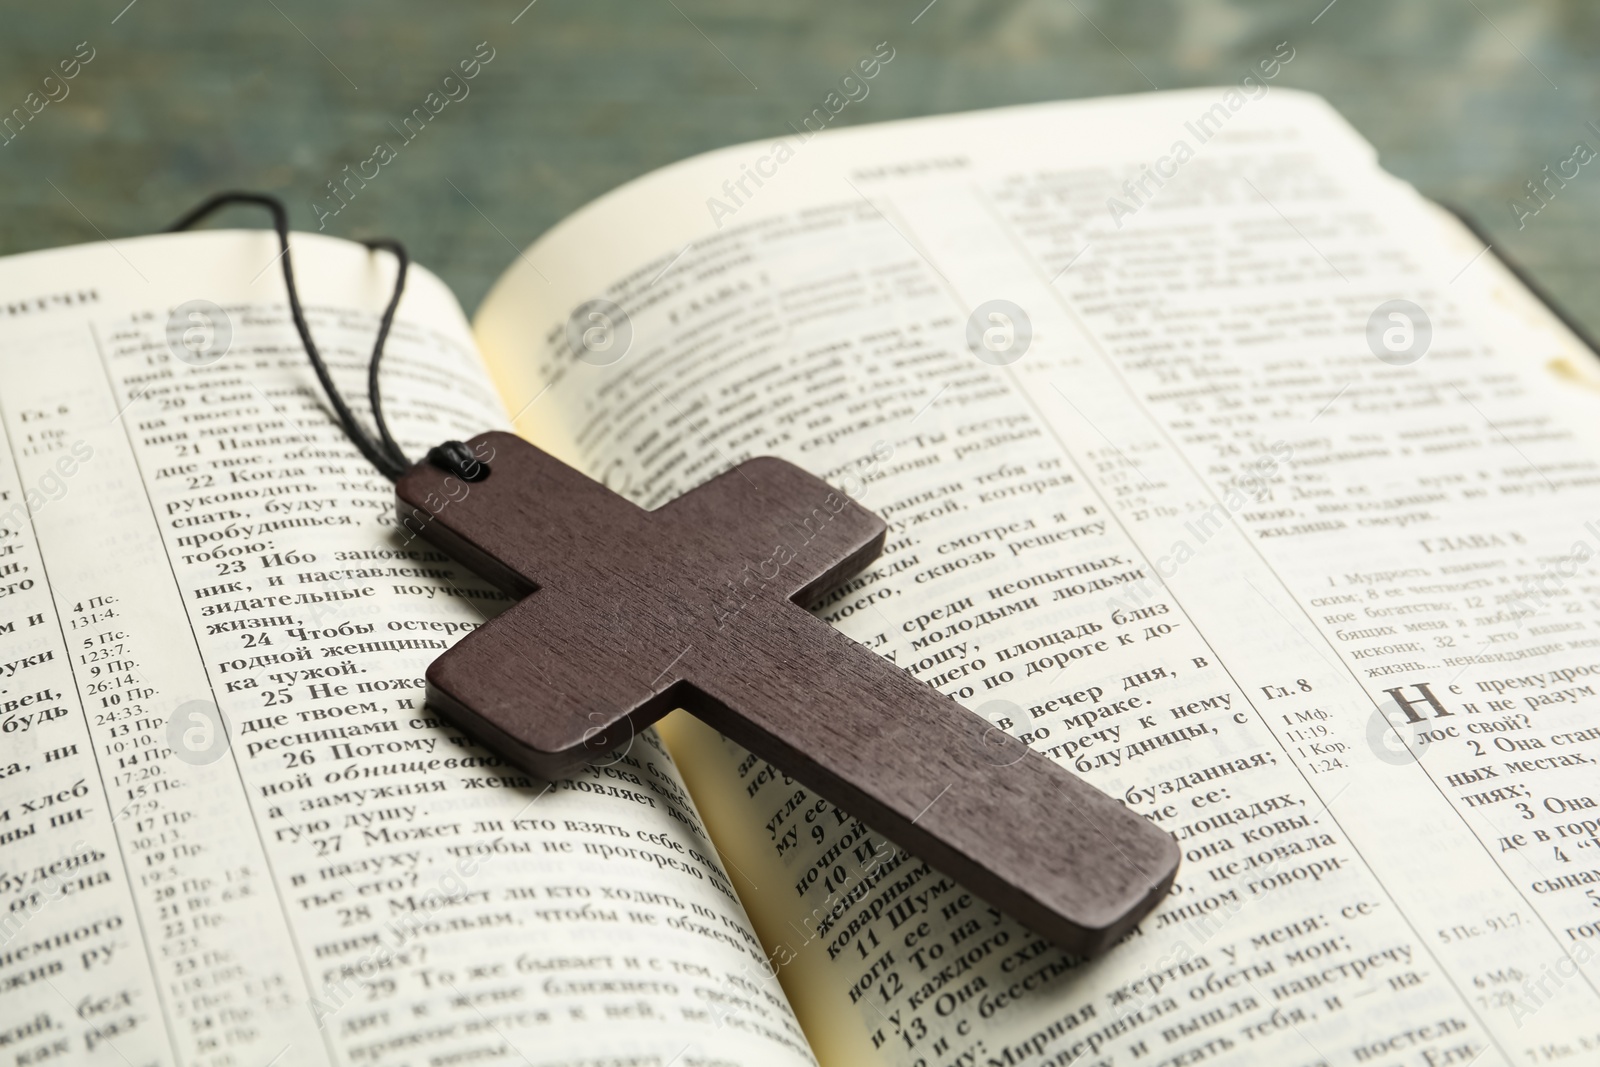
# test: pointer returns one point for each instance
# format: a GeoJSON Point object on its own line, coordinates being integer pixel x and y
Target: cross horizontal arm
{"type": "Point", "coordinates": [794, 532]}
{"type": "Point", "coordinates": [547, 694]}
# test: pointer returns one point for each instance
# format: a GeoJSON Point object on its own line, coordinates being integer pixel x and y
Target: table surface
{"type": "Point", "coordinates": [1467, 99]}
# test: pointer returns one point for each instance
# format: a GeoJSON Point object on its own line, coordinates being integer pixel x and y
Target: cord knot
{"type": "Point", "coordinates": [454, 457]}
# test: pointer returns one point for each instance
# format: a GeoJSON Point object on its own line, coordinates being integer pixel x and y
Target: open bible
{"type": "Point", "coordinates": [1219, 466]}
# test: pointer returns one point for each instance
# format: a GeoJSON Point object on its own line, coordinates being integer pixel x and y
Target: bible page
{"type": "Point", "coordinates": [230, 831]}
{"type": "Point", "coordinates": [1219, 470]}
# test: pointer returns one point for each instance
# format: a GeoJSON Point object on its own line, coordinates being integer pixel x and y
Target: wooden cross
{"type": "Point", "coordinates": [625, 614]}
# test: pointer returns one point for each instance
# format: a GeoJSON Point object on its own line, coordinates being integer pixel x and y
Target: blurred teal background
{"type": "Point", "coordinates": [1468, 99]}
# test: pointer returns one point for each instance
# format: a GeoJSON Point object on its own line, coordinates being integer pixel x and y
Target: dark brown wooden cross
{"type": "Point", "coordinates": [626, 614]}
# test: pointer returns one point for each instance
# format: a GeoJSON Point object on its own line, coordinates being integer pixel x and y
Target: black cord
{"type": "Point", "coordinates": [373, 393]}
{"type": "Point", "coordinates": [383, 452]}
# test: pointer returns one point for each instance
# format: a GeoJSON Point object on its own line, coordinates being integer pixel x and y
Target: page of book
{"type": "Point", "coordinates": [1219, 470]}
{"type": "Point", "coordinates": [230, 832]}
